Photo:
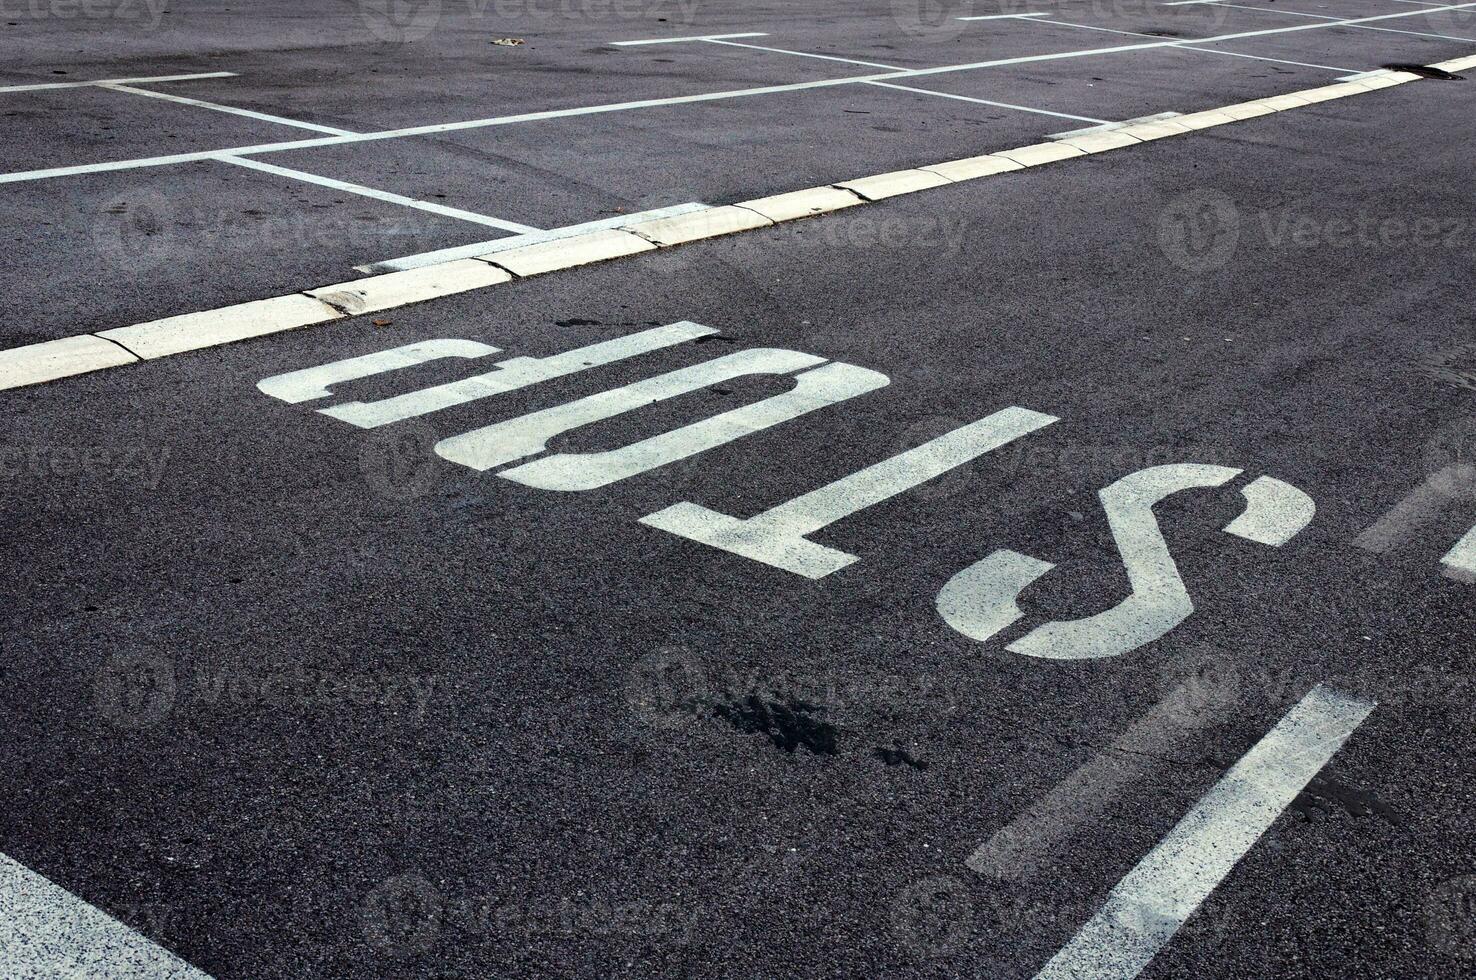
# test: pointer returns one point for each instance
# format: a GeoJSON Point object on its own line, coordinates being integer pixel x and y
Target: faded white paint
{"type": "Point", "coordinates": [777, 537]}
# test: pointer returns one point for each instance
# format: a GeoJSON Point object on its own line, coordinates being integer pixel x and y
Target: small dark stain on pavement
{"type": "Point", "coordinates": [1427, 71]}
{"type": "Point", "coordinates": [1164, 33]}
{"type": "Point", "coordinates": [715, 338]}
{"type": "Point", "coordinates": [576, 322]}
{"type": "Point", "coordinates": [1323, 795]}
{"type": "Point", "coordinates": [898, 756]}
{"type": "Point", "coordinates": [789, 724]}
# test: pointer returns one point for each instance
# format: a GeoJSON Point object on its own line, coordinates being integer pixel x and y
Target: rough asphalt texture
{"type": "Point", "coordinates": [508, 732]}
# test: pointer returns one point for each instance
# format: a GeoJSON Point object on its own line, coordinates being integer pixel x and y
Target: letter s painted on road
{"type": "Point", "coordinates": [980, 601]}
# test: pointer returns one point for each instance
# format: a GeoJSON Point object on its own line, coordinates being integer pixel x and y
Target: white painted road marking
{"type": "Point", "coordinates": [248, 113]}
{"type": "Point", "coordinates": [161, 161]}
{"type": "Point", "coordinates": [46, 931]}
{"type": "Point", "coordinates": [1149, 905]}
{"type": "Point", "coordinates": [982, 600]}
{"type": "Point", "coordinates": [1119, 49]}
{"type": "Point", "coordinates": [510, 375]}
{"type": "Point", "coordinates": [1298, 13]}
{"type": "Point", "coordinates": [52, 359]}
{"type": "Point", "coordinates": [806, 54]}
{"type": "Point", "coordinates": [42, 86]}
{"type": "Point", "coordinates": [313, 383]}
{"type": "Point", "coordinates": [778, 536]}
{"type": "Point", "coordinates": [1460, 560]}
{"type": "Point", "coordinates": [225, 325]}
{"type": "Point", "coordinates": [1041, 835]}
{"type": "Point", "coordinates": [1256, 57]}
{"type": "Point", "coordinates": [678, 40]}
{"type": "Point", "coordinates": [479, 249]}
{"type": "Point", "coordinates": [814, 389]}
{"type": "Point", "coordinates": [1450, 485]}
{"type": "Point", "coordinates": [527, 435]}
{"type": "Point", "coordinates": [1190, 46]}
{"type": "Point", "coordinates": [1002, 105]}
{"type": "Point", "coordinates": [38, 363]}
{"type": "Point", "coordinates": [378, 195]}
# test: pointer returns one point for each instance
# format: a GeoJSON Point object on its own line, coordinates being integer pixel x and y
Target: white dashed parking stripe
{"type": "Point", "coordinates": [46, 931]}
{"type": "Point", "coordinates": [806, 54]}
{"type": "Point", "coordinates": [1003, 16]}
{"type": "Point", "coordinates": [1155, 898]}
{"type": "Point", "coordinates": [1257, 57]}
{"type": "Point", "coordinates": [678, 40]}
{"type": "Point", "coordinates": [43, 86]}
{"type": "Point", "coordinates": [1001, 105]}
{"type": "Point", "coordinates": [1042, 835]}
{"type": "Point", "coordinates": [1361, 27]}
{"type": "Point", "coordinates": [248, 113]}
{"type": "Point", "coordinates": [378, 195]}
{"type": "Point", "coordinates": [477, 249]}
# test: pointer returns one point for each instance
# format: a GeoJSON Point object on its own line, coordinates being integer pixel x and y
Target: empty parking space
{"type": "Point", "coordinates": [70, 127]}
{"type": "Point", "coordinates": [565, 171]}
{"type": "Point", "coordinates": [96, 252]}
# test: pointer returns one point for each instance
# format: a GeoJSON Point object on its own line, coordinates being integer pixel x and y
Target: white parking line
{"type": "Point", "coordinates": [519, 241]}
{"type": "Point", "coordinates": [1441, 37]}
{"type": "Point", "coordinates": [1156, 897]}
{"type": "Point", "coordinates": [46, 931]}
{"type": "Point", "coordinates": [238, 151]}
{"type": "Point", "coordinates": [1040, 837]}
{"type": "Point", "coordinates": [1002, 17]}
{"type": "Point", "coordinates": [1002, 105]}
{"type": "Point", "coordinates": [1124, 48]}
{"type": "Point", "coordinates": [1189, 45]}
{"type": "Point", "coordinates": [1298, 13]}
{"type": "Point", "coordinates": [409, 202]}
{"type": "Point", "coordinates": [264, 117]}
{"type": "Point", "coordinates": [1275, 61]}
{"type": "Point", "coordinates": [1460, 560]}
{"type": "Point", "coordinates": [1104, 30]}
{"type": "Point", "coordinates": [805, 54]}
{"type": "Point", "coordinates": [1442, 489]}
{"type": "Point", "coordinates": [41, 86]}
{"type": "Point", "coordinates": [678, 40]}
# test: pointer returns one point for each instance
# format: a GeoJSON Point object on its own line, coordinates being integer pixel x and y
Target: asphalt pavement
{"type": "Point", "coordinates": [289, 697]}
